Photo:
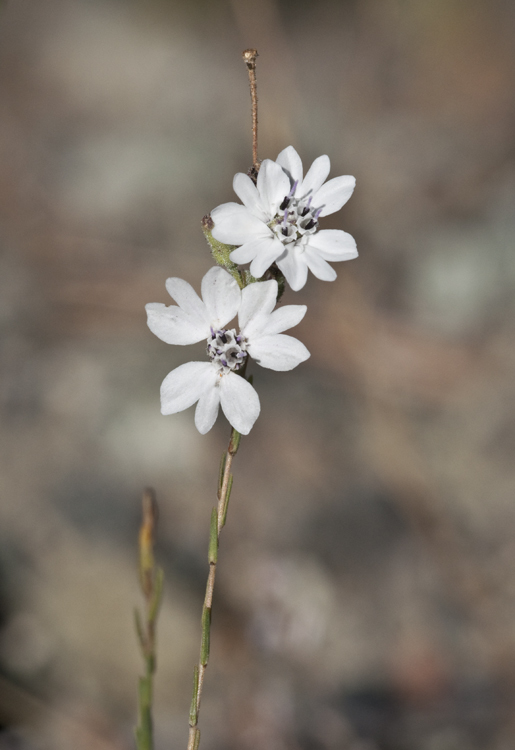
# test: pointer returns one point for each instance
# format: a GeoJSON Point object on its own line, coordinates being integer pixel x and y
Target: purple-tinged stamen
{"type": "Point", "coordinates": [213, 334]}
{"type": "Point", "coordinates": [306, 208]}
{"type": "Point", "coordinates": [224, 362]}
{"type": "Point", "coordinates": [287, 199]}
{"type": "Point", "coordinates": [312, 222]}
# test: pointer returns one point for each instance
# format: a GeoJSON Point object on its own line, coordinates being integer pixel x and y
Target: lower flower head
{"type": "Point", "coordinates": [219, 382]}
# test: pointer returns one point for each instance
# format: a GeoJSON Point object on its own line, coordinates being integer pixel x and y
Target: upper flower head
{"type": "Point", "coordinates": [279, 219]}
{"type": "Point", "coordinates": [216, 382]}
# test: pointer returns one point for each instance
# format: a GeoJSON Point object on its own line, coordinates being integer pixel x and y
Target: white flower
{"type": "Point", "coordinates": [279, 219]}
{"type": "Point", "coordinates": [216, 382]}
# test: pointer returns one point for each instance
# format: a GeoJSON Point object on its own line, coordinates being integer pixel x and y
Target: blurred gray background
{"type": "Point", "coordinates": [366, 589]}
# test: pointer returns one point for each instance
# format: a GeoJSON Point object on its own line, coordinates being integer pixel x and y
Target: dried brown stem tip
{"type": "Point", "coordinates": [249, 58]}
{"type": "Point", "coordinates": [207, 223]}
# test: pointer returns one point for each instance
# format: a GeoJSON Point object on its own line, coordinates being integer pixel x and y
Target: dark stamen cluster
{"type": "Point", "coordinates": [226, 349]}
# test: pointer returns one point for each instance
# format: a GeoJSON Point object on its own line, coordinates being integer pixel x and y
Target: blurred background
{"type": "Point", "coordinates": [365, 597]}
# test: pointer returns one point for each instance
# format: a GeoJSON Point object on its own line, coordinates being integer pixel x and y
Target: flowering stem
{"type": "Point", "coordinates": [218, 517]}
{"type": "Point", "coordinates": [249, 57]}
{"type": "Point", "coordinates": [151, 581]}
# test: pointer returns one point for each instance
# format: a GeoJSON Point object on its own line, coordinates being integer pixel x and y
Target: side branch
{"type": "Point", "coordinates": [218, 517]}
{"type": "Point", "coordinates": [151, 582]}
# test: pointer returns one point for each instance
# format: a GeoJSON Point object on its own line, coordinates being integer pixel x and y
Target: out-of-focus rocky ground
{"type": "Point", "coordinates": [366, 589]}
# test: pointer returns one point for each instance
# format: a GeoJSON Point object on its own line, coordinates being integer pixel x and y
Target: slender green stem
{"type": "Point", "coordinates": [218, 517]}
{"type": "Point", "coordinates": [151, 582]}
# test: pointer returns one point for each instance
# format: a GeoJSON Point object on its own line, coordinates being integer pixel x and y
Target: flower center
{"type": "Point", "coordinates": [297, 219]}
{"type": "Point", "coordinates": [227, 350]}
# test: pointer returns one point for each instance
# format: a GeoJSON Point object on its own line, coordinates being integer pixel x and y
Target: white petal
{"type": "Point", "coordinates": [334, 194]}
{"type": "Point", "coordinates": [248, 251]}
{"type": "Point", "coordinates": [185, 385]}
{"type": "Point", "coordinates": [316, 176]}
{"type": "Point", "coordinates": [256, 299]}
{"type": "Point", "coordinates": [280, 320]}
{"type": "Point", "coordinates": [334, 244]}
{"type": "Point", "coordinates": [207, 408]}
{"type": "Point", "coordinates": [289, 160]}
{"type": "Point", "coordinates": [267, 255]}
{"type": "Point", "coordinates": [187, 298]}
{"type": "Point", "coordinates": [273, 185]}
{"type": "Point", "coordinates": [278, 352]}
{"type": "Point", "coordinates": [294, 267]}
{"type": "Point", "coordinates": [248, 194]}
{"type": "Point", "coordinates": [318, 266]}
{"type": "Point", "coordinates": [234, 224]}
{"type": "Point", "coordinates": [240, 402]}
{"type": "Point", "coordinates": [221, 295]}
{"type": "Point", "coordinates": [174, 326]}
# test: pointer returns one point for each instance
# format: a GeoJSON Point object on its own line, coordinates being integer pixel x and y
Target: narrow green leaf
{"type": "Point", "coordinates": [204, 643]}
{"type": "Point", "coordinates": [158, 594]}
{"type": "Point", "coordinates": [222, 469]}
{"type": "Point", "coordinates": [197, 740]}
{"type": "Point", "coordinates": [228, 495]}
{"type": "Point", "coordinates": [213, 538]}
{"type": "Point", "coordinates": [139, 631]}
{"type": "Point", "coordinates": [194, 699]}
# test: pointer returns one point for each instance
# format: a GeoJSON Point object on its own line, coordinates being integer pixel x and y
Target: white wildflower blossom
{"type": "Point", "coordinates": [278, 222]}
{"type": "Point", "coordinates": [217, 381]}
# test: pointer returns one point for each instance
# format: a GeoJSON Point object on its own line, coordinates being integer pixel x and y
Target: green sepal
{"type": "Point", "coordinates": [281, 286]}
{"type": "Point", "coordinates": [204, 643]}
{"type": "Point", "coordinates": [234, 443]}
{"type": "Point", "coordinates": [249, 278]}
{"type": "Point", "coordinates": [213, 538]}
{"type": "Point", "coordinates": [196, 742]}
{"type": "Point", "coordinates": [194, 699]}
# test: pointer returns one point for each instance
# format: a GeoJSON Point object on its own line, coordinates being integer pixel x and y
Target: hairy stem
{"type": "Point", "coordinates": [218, 517]}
